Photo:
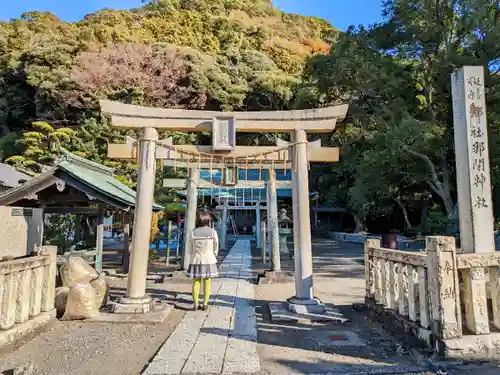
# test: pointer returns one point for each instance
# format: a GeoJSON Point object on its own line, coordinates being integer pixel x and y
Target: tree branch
{"type": "Point", "coordinates": [431, 166]}
{"type": "Point", "coordinates": [405, 212]}
{"type": "Point", "coordinates": [434, 188]}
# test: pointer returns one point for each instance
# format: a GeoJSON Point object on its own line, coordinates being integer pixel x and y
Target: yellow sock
{"type": "Point", "coordinates": [196, 291]}
{"type": "Point", "coordinates": [207, 286]}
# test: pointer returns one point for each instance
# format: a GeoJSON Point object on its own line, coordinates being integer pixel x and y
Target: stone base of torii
{"type": "Point", "coordinates": [294, 122]}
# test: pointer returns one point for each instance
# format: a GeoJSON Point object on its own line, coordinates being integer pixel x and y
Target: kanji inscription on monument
{"type": "Point", "coordinates": [472, 158]}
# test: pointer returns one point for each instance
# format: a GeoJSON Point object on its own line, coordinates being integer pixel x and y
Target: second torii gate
{"type": "Point", "coordinates": [224, 151]}
{"type": "Point", "coordinates": [129, 151]}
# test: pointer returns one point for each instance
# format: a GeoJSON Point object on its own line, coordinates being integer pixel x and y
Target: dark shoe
{"type": "Point", "coordinates": [204, 307]}
{"type": "Point", "coordinates": [195, 307]}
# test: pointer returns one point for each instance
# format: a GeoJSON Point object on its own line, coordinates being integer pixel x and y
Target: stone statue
{"type": "Point", "coordinates": [283, 216]}
{"type": "Point", "coordinates": [218, 222]}
{"type": "Point", "coordinates": [284, 231]}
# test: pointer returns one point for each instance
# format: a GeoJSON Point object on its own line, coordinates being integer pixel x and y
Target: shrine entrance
{"type": "Point", "coordinates": [230, 160]}
{"type": "Point", "coordinates": [246, 200]}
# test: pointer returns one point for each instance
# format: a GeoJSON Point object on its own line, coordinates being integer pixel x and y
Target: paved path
{"type": "Point", "coordinates": [222, 340]}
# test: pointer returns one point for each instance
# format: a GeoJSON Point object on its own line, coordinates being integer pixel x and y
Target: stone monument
{"type": "Point", "coordinates": [284, 223]}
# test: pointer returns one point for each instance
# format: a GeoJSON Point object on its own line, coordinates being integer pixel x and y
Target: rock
{"type": "Point", "coordinates": [101, 290]}
{"type": "Point", "coordinates": [61, 299]}
{"type": "Point", "coordinates": [75, 271]}
{"type": "Point", "coordinates": [81, 302]}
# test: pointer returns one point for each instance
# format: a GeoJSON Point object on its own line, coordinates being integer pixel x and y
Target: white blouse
{"type": "Point", "coordinates": [204, 246]}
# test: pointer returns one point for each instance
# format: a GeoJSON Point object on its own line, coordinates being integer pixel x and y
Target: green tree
{"type": "Point", "coordinates": [41, 146]}
{"type": "Point", "coordinates": [396, 77]}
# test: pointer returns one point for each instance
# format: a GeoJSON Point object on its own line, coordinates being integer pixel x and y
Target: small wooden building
{"type": "Point", "coordinates": [75, 185]}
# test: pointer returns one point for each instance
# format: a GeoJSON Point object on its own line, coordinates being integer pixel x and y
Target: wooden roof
{"type": "Point", "coordinates": [97, 183]}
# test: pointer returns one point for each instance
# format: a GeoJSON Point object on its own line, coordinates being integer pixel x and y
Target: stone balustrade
{"type": "Point", "coordinates": [27, 291]}
{"type": "Point", "coordinates": [449, 301]}
{"type": "Point", "coordinates": [403, 242]}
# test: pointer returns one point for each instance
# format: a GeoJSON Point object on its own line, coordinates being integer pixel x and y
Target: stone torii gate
{"type": "Point", "coordinates": [129, 150]}
{"type": "Point", "coordinates": [223, 126]}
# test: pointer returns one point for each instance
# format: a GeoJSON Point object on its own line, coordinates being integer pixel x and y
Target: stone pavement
{"type": "Point", "coordinates": [222, 340]}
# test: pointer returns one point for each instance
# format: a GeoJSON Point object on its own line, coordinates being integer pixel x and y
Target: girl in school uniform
{"type": "Point", "coordinates": [203, 258]}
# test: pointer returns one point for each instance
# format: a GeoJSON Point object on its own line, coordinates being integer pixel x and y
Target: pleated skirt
{"type": "Point", "coordinates": [202, 271]}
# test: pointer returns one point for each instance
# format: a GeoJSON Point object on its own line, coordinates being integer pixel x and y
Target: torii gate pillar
{"type": "Point", "coordinates": [190, 218]}
{"type": "Point", "coordinates": [303, 301]}
{"type": "Point", "coordinates": [223, 237]}
{"type": "Point", "coordinates": [136, 300]}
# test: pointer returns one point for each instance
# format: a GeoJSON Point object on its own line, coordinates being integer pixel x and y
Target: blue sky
{"type": "Point", "coordinates": [340, 13]}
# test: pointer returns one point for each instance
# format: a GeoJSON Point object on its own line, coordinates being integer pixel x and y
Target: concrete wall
{"type": "Point", "coordinates": [21, 231]}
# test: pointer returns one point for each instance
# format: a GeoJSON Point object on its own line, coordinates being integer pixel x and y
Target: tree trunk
{"type": "Point", "coordinates": [446, 188]}
{"type": "Point", "coordinates": [424, 211]}
{"type": "Point", "coordinates": [360, 223]}
{"type": "Point", "coordinates": [453, 227]}
{"type": "Point", "coordinates": [405, 214]}
{"type": "Point", "coordinates": [441, 188]}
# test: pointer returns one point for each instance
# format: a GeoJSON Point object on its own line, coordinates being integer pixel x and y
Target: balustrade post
{"type": "Point", "coordinates": [379, 280]}
{"type": "Point", "coordinates": [49, 278]}
{"type": "Point", "coordinates": [443, 287]}
{"type": "Point", "coordinates": [412, 293]}
{"type": "Point", "coordinates": [23, 296]}
{"type": "Point", "coordinates": [404, 273]}
{"type": "Point", "coordinates": [370, 273]}
{"type": "Point", "coordinates": [392, 289]}
{"type": "Point", "coordinates": [475, 300]}
{"type": "Point", "coordinates": [8, 289]}
{"type": "Point", "coordinates": [423, 297]}
{"type": "Point", "coordinates": [36, 291]}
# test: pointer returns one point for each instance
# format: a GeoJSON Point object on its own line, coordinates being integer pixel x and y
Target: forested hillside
{"type": "Point", "coordinates": [397, 158]}
{"type": "Point", "coordinates": [196, 54]}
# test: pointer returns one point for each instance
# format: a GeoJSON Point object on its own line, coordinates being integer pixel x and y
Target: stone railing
{"type": "Point", "coordinates": [27, 291]}
{"type": "Point", "coordinates": [403, 242]}
{"type": "Point", "coordinates": [440, 296]}
{"type": "Point", "coordinates": [87, 255]}
{"type": "Point", "coordinates": [352, 237]}
{"type": "Point", "coordinates": [397, 284]}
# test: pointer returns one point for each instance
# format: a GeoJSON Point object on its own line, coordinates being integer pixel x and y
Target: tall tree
{"type": "Point", "coordinates": [396, 75]}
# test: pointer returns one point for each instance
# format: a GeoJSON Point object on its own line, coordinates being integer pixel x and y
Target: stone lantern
{"type": "Point", "coordinates": [285, 229]}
